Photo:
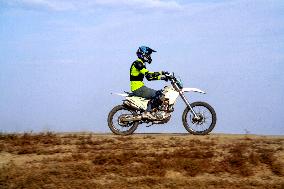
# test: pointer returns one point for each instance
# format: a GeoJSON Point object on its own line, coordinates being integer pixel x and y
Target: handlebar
{"type": "Point", "coordinates": [170, 75]}
{"type": "Point", "coordinates": [174, 80]}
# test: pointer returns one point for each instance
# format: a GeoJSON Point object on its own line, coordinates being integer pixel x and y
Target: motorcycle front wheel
{"type": "Point", "coordinates": [115, 124]}
{"type": "Point", "coordinates": [203, 123]}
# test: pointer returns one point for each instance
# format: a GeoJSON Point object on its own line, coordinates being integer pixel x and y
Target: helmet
{"type": "Point", "coordinates": [144, 53]}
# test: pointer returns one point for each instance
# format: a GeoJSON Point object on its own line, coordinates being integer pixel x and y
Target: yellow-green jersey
{"type": "Point", "coordinates": [138, 71]}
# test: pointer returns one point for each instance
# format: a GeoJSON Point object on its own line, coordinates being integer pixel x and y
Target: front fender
{"type": "Point", "coordinates": [193, 90]}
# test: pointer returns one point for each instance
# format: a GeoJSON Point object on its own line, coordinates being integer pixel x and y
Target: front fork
{"type": "Point", "coordinates": [184, 99]}
{"type": "Point", "coordinates": [187, 103]}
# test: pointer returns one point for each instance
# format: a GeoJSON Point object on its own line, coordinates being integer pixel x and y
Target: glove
{"type": "Point", "coordinates": [164, 78]}
{"type": "Point", "coordinates": [165, 73]}
{"type": "Point", "coordinates": [156, 74]}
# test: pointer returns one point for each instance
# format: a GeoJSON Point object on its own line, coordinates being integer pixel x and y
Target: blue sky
{"type": "Point", "coordinates": [60, 60]}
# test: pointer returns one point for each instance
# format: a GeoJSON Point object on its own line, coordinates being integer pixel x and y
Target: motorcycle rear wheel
{"type": "Point", "coordinates": [201, 126]}
{"type": "Point", "coordinates": [121, 128]}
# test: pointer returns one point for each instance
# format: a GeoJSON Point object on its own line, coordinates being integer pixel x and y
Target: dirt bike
{"type": "Point", "coordinates": [198, 118]}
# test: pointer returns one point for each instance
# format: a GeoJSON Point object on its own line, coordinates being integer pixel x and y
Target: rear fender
{"type": "Point", "coordinates": [121, 94]}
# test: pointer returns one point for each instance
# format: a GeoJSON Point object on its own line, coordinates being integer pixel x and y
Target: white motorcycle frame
{"type": "Point", "coordinates": [170, 93]}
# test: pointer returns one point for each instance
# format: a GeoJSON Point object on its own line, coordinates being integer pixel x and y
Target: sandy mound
{"type": "Point", "coordinates": [86, 160]}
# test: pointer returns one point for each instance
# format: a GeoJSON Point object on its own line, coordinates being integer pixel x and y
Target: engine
{"type": "Point", "coordinates": [161, 115]}
{"type": "Point", "coordinates": [163, 111]}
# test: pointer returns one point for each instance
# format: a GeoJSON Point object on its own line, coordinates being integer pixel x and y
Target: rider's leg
{"type": "Point", "coordinates": [157, 99]}
{"type": "Point", "coordinates": [145, 92]}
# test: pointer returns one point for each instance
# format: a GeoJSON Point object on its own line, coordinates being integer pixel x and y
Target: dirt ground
{"type": "Point", "coordinates": [88, 160]}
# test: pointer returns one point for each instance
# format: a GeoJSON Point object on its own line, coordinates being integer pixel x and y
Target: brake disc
{"type": "Point", "coordinates": [199, 120]}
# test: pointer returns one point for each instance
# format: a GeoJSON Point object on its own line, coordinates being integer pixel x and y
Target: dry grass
{"type": "Point", "coordinates": [48, 160]}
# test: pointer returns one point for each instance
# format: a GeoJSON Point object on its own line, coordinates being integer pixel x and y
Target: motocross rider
{"type": "Point", "coordinates": [137, 72]}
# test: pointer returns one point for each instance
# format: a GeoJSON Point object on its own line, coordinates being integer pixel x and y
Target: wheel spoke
{"type": "Point", "coordinates": [117, 125]}
{"type": "Point", "coordinates": [205, 123]}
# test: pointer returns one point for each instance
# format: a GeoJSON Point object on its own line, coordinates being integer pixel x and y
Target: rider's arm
{"type": "Point", "coordinates": [149, 75]}
{"type": "Point", "coordinates": [153, 76]}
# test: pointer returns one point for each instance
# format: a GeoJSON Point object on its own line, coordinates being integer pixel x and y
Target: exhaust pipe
{"type": "Point", "coordinates": [128, 118]}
